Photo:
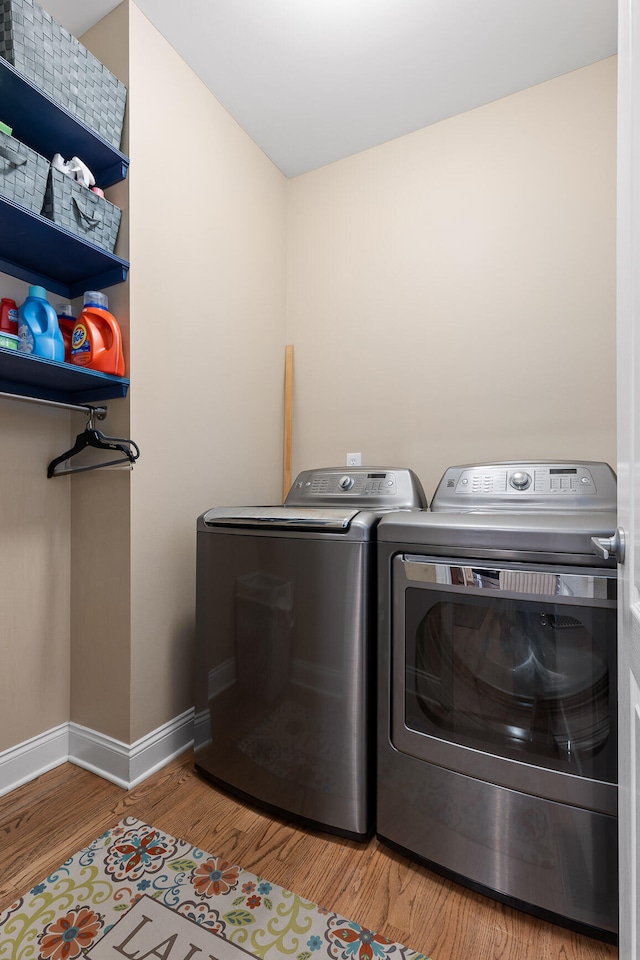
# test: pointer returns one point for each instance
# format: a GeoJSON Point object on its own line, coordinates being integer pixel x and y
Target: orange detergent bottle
{"type": "Point", "coordinates": [96, 340]}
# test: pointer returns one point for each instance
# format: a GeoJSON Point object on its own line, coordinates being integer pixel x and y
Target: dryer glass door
{"type": "Point", "coordinates": [510, 664]}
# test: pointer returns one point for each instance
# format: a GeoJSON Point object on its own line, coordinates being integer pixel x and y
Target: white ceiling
{"type": "Point", "coordinates": [313, 81]}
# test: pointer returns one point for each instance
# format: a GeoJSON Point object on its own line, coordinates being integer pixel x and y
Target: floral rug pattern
{"type": "Point", "coordinates": [70, 911]}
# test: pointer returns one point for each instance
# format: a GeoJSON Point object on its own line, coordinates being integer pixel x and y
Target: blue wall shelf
{"type": "Point", "coordinates": [38, 251]}
{"type": "Point", "coordinates": [23, 375]}
{"type": "Point", "coordinates": [33, 248]}
{"type": "Point", "coordinates": [48, 128]}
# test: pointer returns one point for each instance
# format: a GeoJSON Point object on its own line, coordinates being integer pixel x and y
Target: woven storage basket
{"type": "Point", "coordinates": [23, 173]}
{"type": "Point", "coordinates": [80, 211]}
{"type": "Point", "coordinates": [44, 52]}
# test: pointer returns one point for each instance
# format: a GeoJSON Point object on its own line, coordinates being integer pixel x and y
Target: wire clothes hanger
{"type": "Point", "coordinates": [91, 437]}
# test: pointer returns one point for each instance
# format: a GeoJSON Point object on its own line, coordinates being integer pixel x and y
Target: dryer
{"type": "Point", "coordinates": [497, 747]}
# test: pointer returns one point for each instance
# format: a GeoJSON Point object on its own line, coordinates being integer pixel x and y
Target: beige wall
{"type": "Point", "coordinates": [204, 324]}
{"type": "Point", "coordinates": [97, 603]}
{"type": "Point", "coordinates": [100, 526]}
{"type": "Point", "coordinates": [207, 285]}
{"type": "Point", "coordinates": [35, 577]}
{"type": "Point", "coordinates": [450, 296]}
{"type": "Point", "coordinates": [451, 293]}
{"type": "Point", "coordinates": [34, 569]}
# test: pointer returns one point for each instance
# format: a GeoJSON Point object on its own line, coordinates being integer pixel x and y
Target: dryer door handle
{"type": "Point", "coordinates": [610, 546]}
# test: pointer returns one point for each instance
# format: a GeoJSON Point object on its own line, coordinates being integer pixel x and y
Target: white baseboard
{"type": "Point", "coordinates": [30, 759]}
{"type": "Point", "coordinates": [129, 764]}
{"type": "Point", "coordinates": [121, 763]}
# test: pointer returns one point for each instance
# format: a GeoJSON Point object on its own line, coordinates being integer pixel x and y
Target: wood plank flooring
{"type": "Point", "coordinates": [45, 821]}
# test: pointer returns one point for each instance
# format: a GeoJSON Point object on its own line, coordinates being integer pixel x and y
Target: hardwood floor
{"type": "Point", "coordinates": [45, 821]}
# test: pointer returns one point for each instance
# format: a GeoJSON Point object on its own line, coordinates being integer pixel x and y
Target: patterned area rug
{"type": "Point", "coordinates": [137, 893]}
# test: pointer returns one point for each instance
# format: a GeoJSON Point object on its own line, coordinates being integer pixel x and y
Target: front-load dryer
{"type": "Point", "coordinates": [497, 747]}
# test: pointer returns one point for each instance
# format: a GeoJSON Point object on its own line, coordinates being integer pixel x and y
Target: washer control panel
{"type": "Point", "coordinates": [370, 486]}
{"type": "Point", "coordinates": [531, 484]}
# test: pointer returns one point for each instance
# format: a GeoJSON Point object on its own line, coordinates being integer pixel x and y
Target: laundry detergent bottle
{"type": "Point", "coordinates": [38, 327]}
{"type": "Point", "coordinates": [96, 341]}
{"type": "Point", "coordinates": [66, 322]}
{"type": "Point", "coordinates": [8, 316]}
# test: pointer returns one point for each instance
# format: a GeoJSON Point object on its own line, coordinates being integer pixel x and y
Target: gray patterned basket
{"type": "Point", "coordinates": [44, 52]}
{"type": "Point", "coordinates": [23, 173]}
{"type": "Point", "coordinates": [80, 211]}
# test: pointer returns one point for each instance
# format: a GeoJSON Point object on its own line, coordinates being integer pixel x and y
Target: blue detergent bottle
{"type": "Point", "coordinates": [38, 327]}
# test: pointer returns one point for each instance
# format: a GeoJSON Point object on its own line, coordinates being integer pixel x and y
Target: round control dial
{"type": "Point", "coordinates": [346, 482]}
{"type": "Point", "coordinates": [520, 480]}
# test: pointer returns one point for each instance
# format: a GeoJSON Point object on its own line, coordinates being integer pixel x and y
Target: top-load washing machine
{"type": "Point", "coordinates": [285, 640]}
{"type": "Point", "coordinates": [497, 686]}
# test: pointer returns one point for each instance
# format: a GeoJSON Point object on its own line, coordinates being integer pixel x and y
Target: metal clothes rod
{"type": "Point", "coordinates": [99, 412]}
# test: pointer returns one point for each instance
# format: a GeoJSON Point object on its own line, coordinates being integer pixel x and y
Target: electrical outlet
{"type": "Point", "coordinates": [354, 459]}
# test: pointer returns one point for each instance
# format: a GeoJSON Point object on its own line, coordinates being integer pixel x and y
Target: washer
{"type": "Point", "coordinates": [497, 750]}
{"type": "Point", "coordinates": [285, 641]}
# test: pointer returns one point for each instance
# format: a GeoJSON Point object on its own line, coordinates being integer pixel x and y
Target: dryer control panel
{"type": "Point", "coordinates": [530, 485]}
{"type": "Point", "coordinates": [366, 487]}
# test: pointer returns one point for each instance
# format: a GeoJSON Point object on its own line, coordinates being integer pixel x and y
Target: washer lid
{"type": "Point", "coordinates": [300, 518]}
